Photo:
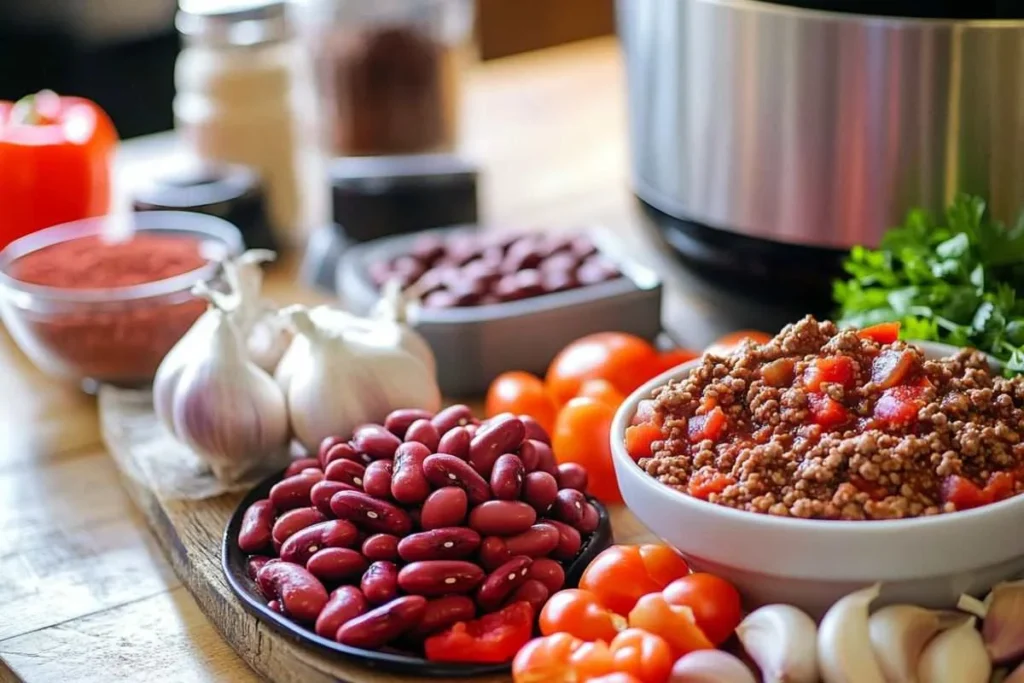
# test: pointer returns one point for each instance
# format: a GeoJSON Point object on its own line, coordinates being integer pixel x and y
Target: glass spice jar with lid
{"type": "Point", "coordinates": [387, 72]}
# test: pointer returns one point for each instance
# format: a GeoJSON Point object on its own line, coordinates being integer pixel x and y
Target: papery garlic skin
{"type": "Point", "coordinates": [194, 346]}
{"type": "Point", "coordinates": [268, 340]}
{"type": "Point", "coordinates": [710, 666]}
{"type": "Point", "coordinates": [845, 654]}
{"type": "Point", "coordinates": [245, 276]}
{"type": "Point", "coordinates": [393, 307]}
{"type": "Point", "coordinates": [229, 411]}
{"type": "Point", "coordinates": [1003, 627]}
{"type": "Point", "coordinates": [955, 656]}
{"type": "Point", "coordinates": [899, 634]}
{"type": "Point", "coordinates": [781, 640]}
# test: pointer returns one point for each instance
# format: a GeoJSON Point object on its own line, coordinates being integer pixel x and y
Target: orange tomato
{"type": "Point", "coordinates": [675, 623]}
{"type": "Point", "coordinates": [730, 342]}
{"type": "Point", "coordinates": [625, 360]}
{"type": "Point", "coordinates": [714, 601]}
{"type": "Point", "coordinates": [592, 661]}
{"type": "Point", "coordinates": [617, 677]}
{"type": "Point", "coordinates": [546, 660]}
{"type": "Point", "coordinates": [521, 393]}
{"type": "Point", "coordinates": [640, 437]}
{"type": "Point", "coordinates": [621, 574]}
{"type": "Point", "coordinates": [582, 435]}
{"type": "Point", "coordinates": [675, 358]}
{"type": "Point", "coordinates": [602, 390]}
{"type": "Point", "coordinates": [644, 655]}
{"type": "Point", "coordinates": [580, 613]}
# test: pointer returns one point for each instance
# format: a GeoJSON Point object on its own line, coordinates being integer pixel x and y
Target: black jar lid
{"type": "Point", "coordinates": [919, 9]}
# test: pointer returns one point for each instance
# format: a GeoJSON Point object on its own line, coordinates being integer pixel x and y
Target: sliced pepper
{"type": "Point", "coordinates": [883, 333]}
{"type": "Point", "coordinates": [493, 638]}
{"type": "Point", "coordinates": [675, 623]}
{"type": "Point", "coordinates": [639, 439]}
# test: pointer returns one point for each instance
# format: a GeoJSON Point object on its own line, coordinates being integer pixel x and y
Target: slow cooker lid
{"type": "Point", "coordinates": [924, 9]}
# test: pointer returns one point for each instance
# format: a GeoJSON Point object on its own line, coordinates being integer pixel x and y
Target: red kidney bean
{"type": "Point", "coordinates": [559, 280]}
{"type": "Point", "coordinates": [501, 434]}
{"type": "Point", "coordinates": [455, 442]}
{"type": "Point", "coordinates": [548, 572]}
{"type": "Point", "coordinates": [534, 430]}
{"type": "Point", "coordinates": [540, 453]}
{"type": "Point", "coordinates": [507, 477]}
{"type": "Point", "coordinates": [449, 543]}
{"type": "Point", "coordinates": [533, 592]}
{"type": "Point", "coordinates": [293, 492]}
{"type": "Point", "coordinates": [440, 298]}
{"type": "Point", "coordinates": [596, 269]}
{"type": "Point", "coordinates": [255, 564]}
{"type": "Point", "coordinates": [275, 605]}
{"type": "Point", "coordinates": [398, 421]}
{"type": "Point", "coordinates": [301, 545]}
{"type": "Point", "coordinates": [458, 415]}
{"type": "Point", "coordinates": [325, 446]}
{"type": "Point", "coordinates": [537, 541]}
{"type": "Point", "coordinates": [424, 432]}
{"type": "Point", "coordinates": [444, 507]}
{"type": "Point", "coordinates": [301, 594]}
{"type": "Point", "coordinates": [524, 254]}
{"type": "Point", "coordinates": [377, 480]}
{"type": "Point", "coordinates": [502, 517]}
{"type": "Point", "coordinates": [257, 525]}
{"type": "Point", "coordinates": [448, 470]}
{"type": "Point", "coordinates": [540, 490]}
{"type": "Point", "coordinates": [439, 577]}
{"type": "Point", "coordinates": [380, 626]}
{"type": "Point", "coordinates": [375, 441]}
{"type": "Point", "coordinates": [572, 475]}
{"type": "Point", "coordinates": [346, 471]}
{"type": "Point", "coordinates": [591, 519]}
{"type": "Point", "coordinates": [322, 491]}
{"type": "Point", "coordinates": [345, 603]}
{"type": "Point", "coordinates": [569, 541]}
{"type": "Point", "coordinates": [381, 547]}
{"type": "Point", "coordinates": [340, 451]}
{"type": "Point", "coordinates": [409, 485]}
{"type": "Point", "coordinates": [302, 464]}
{"type": "Point", "coordinates": [427, 248]}
{"type": "Point", "coordinates": [501, 582]}
{"type": "Point", "coordinates": [371, 514]}
{"type": "Point", "coordinates": [380, 582]}
{"type": "Point", "coordinates": [441, 613]}
{"type": "Point", "coordinates": [568, 507]}
{"type": "Point", "coordinates": [334, 565]}
{"type": "Point", "coordinates": [294, 521]}
{"type": "Point", "coordinates": [493, 553]}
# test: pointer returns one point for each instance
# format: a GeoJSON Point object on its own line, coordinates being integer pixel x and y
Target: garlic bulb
{"type": "Point", "coordinates": [335, 383]}
{"type": "Point", "coordinates": [192, 347]}
{"type": "Point", "coordinates": [781, 641]}
{"type": "Point", "coordinates": [1003, 628]}
{"type": "Point", "coordinates": [845, 654]}
{"type": "Point", "coordinates": [269, 339]}
{"type": "Point", "coordinates": [899, 634]}
{"type": "Point", "coordinates": [246, 279]}
{"type": "Point", "coordinates": [393, 307]}
{"type": "Point", "coordinates": [710, 666]}
{"type": "Point", "coordinates": [225, 408]}
{"type": "Point", "coordinates": [955, 656]}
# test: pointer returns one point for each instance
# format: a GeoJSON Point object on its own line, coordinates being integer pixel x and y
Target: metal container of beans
{"type": "Point", "coordinates": [492, 303]}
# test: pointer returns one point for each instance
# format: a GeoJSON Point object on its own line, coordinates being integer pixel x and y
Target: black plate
{"type": "Point", "coordinates": [235, 564]}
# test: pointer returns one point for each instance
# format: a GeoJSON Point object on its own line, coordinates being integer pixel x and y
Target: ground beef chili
{"type": "Point", "coordinates": [851, 425]}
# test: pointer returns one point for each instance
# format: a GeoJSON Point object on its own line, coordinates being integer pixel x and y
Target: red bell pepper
{"type": "Point", "coordinates": [493, 638]}
{"type": "Point", "coordinates": [55, 163]}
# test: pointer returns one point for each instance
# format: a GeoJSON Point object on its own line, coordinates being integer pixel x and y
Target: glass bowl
{"type": "Point", "coordinates": [116, 335]}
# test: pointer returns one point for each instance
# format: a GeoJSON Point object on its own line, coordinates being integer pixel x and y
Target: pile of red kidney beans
{"type": "Point", "coordinates": [466, 269]}
{"type": "Point", "coordinates": [411, 526]}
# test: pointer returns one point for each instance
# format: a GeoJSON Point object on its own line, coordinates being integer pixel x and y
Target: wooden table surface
{"type": "Point", "coordinates": [85, 593]}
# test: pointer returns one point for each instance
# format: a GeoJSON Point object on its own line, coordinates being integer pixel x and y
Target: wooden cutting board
{"type": "Point", "coordinates": [190, 533]}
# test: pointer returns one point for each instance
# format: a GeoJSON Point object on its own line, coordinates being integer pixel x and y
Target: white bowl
{"type": "Point", "coordinates": [927, 561]}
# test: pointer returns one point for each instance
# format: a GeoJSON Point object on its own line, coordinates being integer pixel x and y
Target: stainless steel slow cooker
{"type": "Point", "coordinates": [769, 136]}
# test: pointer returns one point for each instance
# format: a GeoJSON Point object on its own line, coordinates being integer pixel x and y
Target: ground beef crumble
{"type": "Point", "coordinates": [779, 428]}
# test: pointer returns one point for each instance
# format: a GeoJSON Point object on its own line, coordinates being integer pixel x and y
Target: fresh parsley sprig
{"type": "Point", "coordinates": [958, 279]}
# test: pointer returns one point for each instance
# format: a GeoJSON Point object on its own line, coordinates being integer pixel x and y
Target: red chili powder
{"type": "Point", "coordinates": [117, 342]}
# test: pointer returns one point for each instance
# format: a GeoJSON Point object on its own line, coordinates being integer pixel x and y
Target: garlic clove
{"type": "Point", "coordinates": [268, 340]}
{"type": "Point", "coordinates": [192, 347]}
{"type": "Point", "coordinates": [781, 641]}
{"type": "Point", "coordinates": [394, 307]}
{"type": "Point", "coordinates": [956, 655]}
{"type": "Point", "coordinates": [710, 666]}
{"type": "Point", "coordinates": [1003, 627]}
{"type": "Point", "coordinates": [899, 634]}
{"type": "Point", "coordinates": [845, 654]}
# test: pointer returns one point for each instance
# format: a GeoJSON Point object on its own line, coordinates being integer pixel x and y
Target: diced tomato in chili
{"type": "Point", "coordinates": [639, 439]}
{"type": "Point", "coordinates": [963, 493]}
{"type": "Point", "coordinates": [898, 406]}
{"type": "Point", "coordinates": [883, 333]}
{"type": "Point", "coordinates": [703, 484]}
{"type": "Point", "coordinates": [1000, 486]}
{"type": "Point", "coordinates": [826, 411]}
{"type": "Point", "coordinates": [493, 638]}
{"type": "Point", "coordinates": [710, 425]}
{"type": "Point", "coordinates": [833, 370]}
{"type": "Point", "coordinates": [875, 490]}
{"type": "Point", "coordinates": [645, 413]}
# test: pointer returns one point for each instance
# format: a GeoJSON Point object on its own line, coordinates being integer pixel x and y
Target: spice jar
{"type": "Point", "coordinates": [245, 96]}
{"type": "Point", "coordinates": [387, 72]}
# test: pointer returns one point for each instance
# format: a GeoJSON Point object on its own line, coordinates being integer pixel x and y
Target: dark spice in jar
{"type": "Point", "coordinates": [118, 341]}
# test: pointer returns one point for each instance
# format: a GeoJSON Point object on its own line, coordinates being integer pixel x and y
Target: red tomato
{"type": "Point", "coordinates": [714, 601]}
{"type": "Point", "coordinates": [964, 493]}
{"type": "Point", "coordinates": [640, 437]}
{"type": "Point", "coordinates": [1000, 486]}
{"type": "Point", "coordinates": [582, 435]}
{"type": "Point", "coordinates": [730, 342]}
{"type": "Point", "coordinates": [621, 574]}
{"type": "Point", "coordinates": [834, 370]}
{"type": "Point", "coordinates": [602, 390]}
{"type": "Point", "coordinates": [521, 393]}
{"type": "Point", "coordinates": [580, 613]}
{"type": "Point", "coordinates": [493, 638]}
{"type": "Point", "coordinates": [898, 406]}
{"type": "Point", "coordinates": [702, 484]}
{"type": "Point", "coordinates": [676, 357]}
{"type": "Point", "coordinates": [675, 623]}
{"type": "Point", "coordinates": [883, 333]}
{"type": "Point", "coordinates": [623, 359]}
{"type": "Point", "coordinates": [826, 411]}
{"type": "Point", "coordinates": [710, 425]}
